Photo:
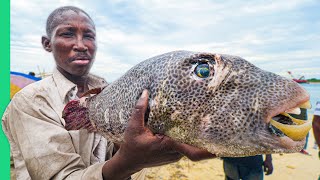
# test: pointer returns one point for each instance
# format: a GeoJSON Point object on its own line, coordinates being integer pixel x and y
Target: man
{"type": "Point", "coordinates": [303, 116]}
{"type": "Point", "coordinates": [247, 168]}
{"type": "Point", "coordinates": [316, 125]}
{"type": "Point", "coordinates": [43, 149]}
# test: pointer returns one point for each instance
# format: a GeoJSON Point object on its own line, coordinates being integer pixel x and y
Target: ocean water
{"type": "Point", "coordinates": [314, 91]}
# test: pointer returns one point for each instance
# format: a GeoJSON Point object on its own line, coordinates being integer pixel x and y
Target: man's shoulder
{"type": "Point", "coordinates": [27, 97]}
{"type": "Point", "coordinates": [37, 87]}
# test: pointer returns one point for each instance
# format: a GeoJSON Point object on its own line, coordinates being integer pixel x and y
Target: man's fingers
{"type": "Point", "coordinates": [267, 168]}
{"type": "Point", "coordinates": [268, 172]}
{"type": "Point", "coordinates": [137, 116]}
{"type": "Point", "coordinates": [193, 153]}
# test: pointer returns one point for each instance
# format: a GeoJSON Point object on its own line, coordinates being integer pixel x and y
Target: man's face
{"type": "Point", "coordinates": [73, 44]}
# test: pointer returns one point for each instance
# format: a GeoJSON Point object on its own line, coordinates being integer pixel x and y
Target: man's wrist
{"type": "Point", "coordinates": [113, 169]}
{"type": "Point", "coordinates": [117, 168]}
{"type": "Point", "coordinates": [268, 157]}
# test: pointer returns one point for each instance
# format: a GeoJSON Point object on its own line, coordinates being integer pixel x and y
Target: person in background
{"type": "Point", "coordinates": [247, 168]}
{"type": "Point", "coordinates": [32, 73]}
{"type": "Point", "coordinates": [316, 126]}
{"type": "Point", "coordinates": [41, 146]}
{"type": "Point", "coordinates": [303, 116]}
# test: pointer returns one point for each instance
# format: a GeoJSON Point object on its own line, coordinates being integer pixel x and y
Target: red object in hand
{"type": "Point", "coordinates": [76, 116]}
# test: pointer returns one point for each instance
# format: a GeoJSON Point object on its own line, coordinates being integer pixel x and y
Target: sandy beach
{"type": "Point", "coordinates": [294, 166]}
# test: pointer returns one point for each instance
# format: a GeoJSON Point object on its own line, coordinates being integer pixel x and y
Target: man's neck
{"type": "Point", "coordinates": [82, 84]}
{"type": "Point", "coordinates": [80, 81]}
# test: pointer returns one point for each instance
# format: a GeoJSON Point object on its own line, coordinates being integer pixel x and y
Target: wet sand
{"type": "Point", "coordinates": [294, 166]}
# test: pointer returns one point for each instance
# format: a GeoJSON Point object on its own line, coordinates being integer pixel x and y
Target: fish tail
{"type": "Point", "coordinates": [76, 116]}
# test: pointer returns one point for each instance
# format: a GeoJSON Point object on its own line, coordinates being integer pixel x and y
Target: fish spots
{"type": "Point", "coordinates": [122, 116]}
{"type": "Point", "coordinates": [175, 115]}
{"type": "Point", "coordinates": [223, 112]}
{"type": "Point", "coordinates": [106, 117]}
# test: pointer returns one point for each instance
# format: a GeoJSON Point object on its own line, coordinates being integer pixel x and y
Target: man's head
{"type": "Point", "coordinates": [55, 19]}
{"type": "Point", "coordinates": [71, 37]}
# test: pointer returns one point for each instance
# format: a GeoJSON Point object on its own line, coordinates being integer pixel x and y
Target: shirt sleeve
{"type": "Point", "coordinates": [317, 109]}
{"type": "Point", "coordinates": [45, 145]}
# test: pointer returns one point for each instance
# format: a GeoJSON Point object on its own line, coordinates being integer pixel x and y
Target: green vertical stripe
{"type": "Point", "coordinates": [4, 84]}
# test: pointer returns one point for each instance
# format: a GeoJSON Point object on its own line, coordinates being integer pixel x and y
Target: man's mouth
{"type": "Point", "coordinates": [81, 60]}
{"type": "Point", "coordinates": [284, 124]}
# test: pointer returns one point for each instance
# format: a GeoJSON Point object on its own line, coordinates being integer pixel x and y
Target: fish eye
{"type": "Point", "coordinates": [202, 70]}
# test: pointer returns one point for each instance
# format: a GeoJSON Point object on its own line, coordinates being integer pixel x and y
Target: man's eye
{"type": "Point", "coordinates": [89, 36]}
{"type": "Point", "coordinates": [67, 34]}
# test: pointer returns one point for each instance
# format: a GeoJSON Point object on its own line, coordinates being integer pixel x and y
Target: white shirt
{"type": "Point", "coordinates": [40, 145]}
{"type": "Point", "coordinates": [317, 109]}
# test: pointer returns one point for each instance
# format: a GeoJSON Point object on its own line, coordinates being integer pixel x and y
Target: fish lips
{"type": "Point", "coordinates": [290, 130]}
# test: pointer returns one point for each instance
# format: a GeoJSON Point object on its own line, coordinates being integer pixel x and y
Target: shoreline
{"type": "Point", "coordinates": [313, 83]}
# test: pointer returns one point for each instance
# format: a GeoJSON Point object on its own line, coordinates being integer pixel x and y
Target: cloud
{"type": "Point", "coordinates": [274, 35]}
{"type": "Point", "coordinates": [273, 6]}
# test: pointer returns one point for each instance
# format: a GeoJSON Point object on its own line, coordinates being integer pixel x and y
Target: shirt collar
{"type": "Point", "coordinates": [68, 89]}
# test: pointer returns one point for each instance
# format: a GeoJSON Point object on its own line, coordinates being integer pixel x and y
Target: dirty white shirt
{"type": "Point", "coordinates": [317, 109]}
{"type": "Point", "coordinates": [40, 145]}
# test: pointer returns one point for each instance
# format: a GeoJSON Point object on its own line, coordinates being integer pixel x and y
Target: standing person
{"type": "Point", "coordinates": [41, 146]}
{"type": "Point", "coordinates": [303, 116]}
{"type": "Point", "coordinates": [247, 168]}
{"type": "Point", "coordinates": [316, 125]}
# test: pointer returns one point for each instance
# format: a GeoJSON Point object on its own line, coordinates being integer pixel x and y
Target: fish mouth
{"type": "Point", "coordinates": [285, 126]}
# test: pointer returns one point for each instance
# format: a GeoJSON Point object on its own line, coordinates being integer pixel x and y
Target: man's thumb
{"type": "Point", "coordinates": [137, 115]}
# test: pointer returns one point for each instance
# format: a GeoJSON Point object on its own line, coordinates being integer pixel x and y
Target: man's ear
{"type": "Point", "coordinates": [46, 44]}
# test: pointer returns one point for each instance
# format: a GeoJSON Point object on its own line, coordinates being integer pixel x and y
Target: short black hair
{"type": "Point", "coordinates": [52, 18]}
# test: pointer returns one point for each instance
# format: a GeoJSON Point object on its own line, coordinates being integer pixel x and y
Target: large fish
{"type": "Point", "coordinates": [220, 103]}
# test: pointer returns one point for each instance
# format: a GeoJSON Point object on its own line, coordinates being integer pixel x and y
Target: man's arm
{"type": "Point", "coordinates": [45, 145]}
{"type": "Point", "coordinates": [316, 130]}
{"type": "Point", "coordinates": [267, 164]}
{"type": "Point", "coordinates": [316, 125]}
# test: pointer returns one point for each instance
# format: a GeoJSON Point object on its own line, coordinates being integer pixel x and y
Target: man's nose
{"type": "Point", "coordinates": [80, 46]}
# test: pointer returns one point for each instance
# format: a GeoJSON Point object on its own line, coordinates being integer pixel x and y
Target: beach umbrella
{"type": "Point", "coordinates": [20, 80]}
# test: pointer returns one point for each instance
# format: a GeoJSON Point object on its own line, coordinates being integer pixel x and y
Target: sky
{"type": "Point", "coordinates": [276, 36]}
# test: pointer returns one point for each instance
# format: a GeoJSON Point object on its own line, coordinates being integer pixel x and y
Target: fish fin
{"type": "Point", "coordinates": [93, 91]}
{"type": "Point", "coordinates": [76, 116]}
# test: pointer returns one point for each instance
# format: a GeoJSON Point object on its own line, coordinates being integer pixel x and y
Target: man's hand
{"type": "Point", "coordinates": [142, 148]}
{"type": "Point", "coordinates": [267, 165]}
{"type": "Point", "coordinates": [193, 153]}
{"type": "Point", "coordinates": [155, 149]}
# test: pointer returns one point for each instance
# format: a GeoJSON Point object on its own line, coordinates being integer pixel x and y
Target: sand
{"type": "Point", "coordinates": [295, 166]}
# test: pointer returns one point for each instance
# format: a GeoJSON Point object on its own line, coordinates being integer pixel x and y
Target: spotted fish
{"type": "Point", "coordinates": [220, 103]}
